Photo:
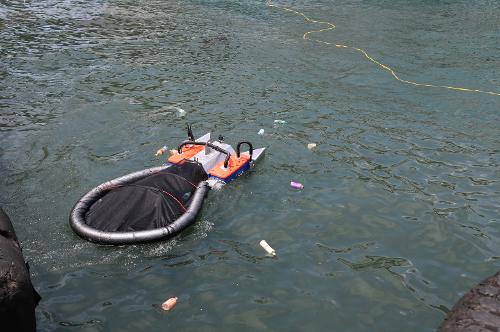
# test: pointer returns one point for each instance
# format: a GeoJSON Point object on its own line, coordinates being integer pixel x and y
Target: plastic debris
{"type": "Point", "coordinates": [296, 185]}
{"type": "Point", "coordinates": [279, 121]}
{"type": "Point", "coordinates": [161, 151]}
{"type": "Point", "coordinates": [311, 146]}
{"type": "Point", "coordinates": [169, 304]}
{"type": "Point", "coordinates": [261, 132]}
{"type": "Point", "coordinates": [181, 111]}
{"type": "Point", "coordinates": [267, 248]}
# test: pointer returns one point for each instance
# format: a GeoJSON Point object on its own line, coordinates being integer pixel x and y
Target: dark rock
{"type": "Point", "coordinates": [219, 39]}
{"type": "Point", "coordinates": [478, 310]}
{"type": "Point", "coordinates": [18, 298]}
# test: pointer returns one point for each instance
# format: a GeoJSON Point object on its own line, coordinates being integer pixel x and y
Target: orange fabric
{"type": "Point", "coordinates": [233, 165]}
{"type": "Point", "coordinates": [188, 151]}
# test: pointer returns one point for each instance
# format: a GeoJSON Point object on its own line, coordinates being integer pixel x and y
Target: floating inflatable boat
{"type": "Point", "coordinates": [159, 202]}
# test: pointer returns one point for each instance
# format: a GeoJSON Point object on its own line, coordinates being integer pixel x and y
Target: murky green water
{"type": "Point", "coordinates": [400, 211]}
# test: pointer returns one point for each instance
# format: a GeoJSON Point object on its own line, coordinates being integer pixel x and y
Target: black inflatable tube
{"type": "Point", "coordinates": [77, 216]}
{"type": "Point", "coordinates": [18, 298]}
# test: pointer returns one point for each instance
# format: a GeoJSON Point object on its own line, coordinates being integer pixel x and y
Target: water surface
{"type": "Point", "coordinates": [399, 213]}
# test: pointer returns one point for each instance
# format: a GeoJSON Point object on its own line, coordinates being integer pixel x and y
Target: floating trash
{"type": "Point", "coordinates": [296, 185]}
{"type": "Point", "coordinates": [279, 121]}
{"type": "Point", "coordinates": [161, 151]}
{"type": "Point", "coordinates": [267, 248]}
{"type": "Point", "coordinates": [169, 304]}
{"type": "Point", "coordinates": [181, 111]}
{"type": "Point", "coordinates": [311, 146]}
{"type": "Point", "coordinates": [261, 132]}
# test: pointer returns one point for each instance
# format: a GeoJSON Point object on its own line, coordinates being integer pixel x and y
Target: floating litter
{"type": "Point", "coordinates": [311, 146]}
{"type": "Point", "coordinates": [181, 111]}
{"type": "Point", "coordinates": [279, 121]}
{"type": "Point", "coordinates": [267, 248]}
{"type": "Point", "coordinates": [296, 185]}
{"type": "Point", "coordinates": [261, 132]}
{"type": "Point", "coordinates": [161, 151]}
{"type": "Point", "coordinates": [169, 304]}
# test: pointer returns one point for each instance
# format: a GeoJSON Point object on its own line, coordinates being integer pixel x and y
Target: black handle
{"type": "Point", "coordinates": [190, 132]}
{"type": "Point", "coordinates": [249, 146]}
{"type": "Point", "coordinates": [215, 147]}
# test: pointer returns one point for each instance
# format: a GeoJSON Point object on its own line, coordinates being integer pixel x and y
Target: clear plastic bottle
{"type": "Point", "coordinates": [161, 151]}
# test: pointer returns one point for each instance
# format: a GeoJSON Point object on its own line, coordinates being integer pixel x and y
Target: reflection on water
{"type": "Point", "coordinates": [400, 208]}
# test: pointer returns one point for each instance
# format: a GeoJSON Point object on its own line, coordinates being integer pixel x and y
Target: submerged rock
{"type": "Point", "coordinates": [219, 39]}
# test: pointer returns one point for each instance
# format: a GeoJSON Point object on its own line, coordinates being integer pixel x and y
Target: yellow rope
{"type": "Point", "coordinates": [330, 26]}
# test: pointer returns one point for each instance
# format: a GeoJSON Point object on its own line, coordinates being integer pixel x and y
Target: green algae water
{"type": "Point", "coordinates": [399, 214]}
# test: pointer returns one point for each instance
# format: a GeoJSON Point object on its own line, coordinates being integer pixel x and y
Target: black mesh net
{"type": "Point", "coordinates": [152, 202]}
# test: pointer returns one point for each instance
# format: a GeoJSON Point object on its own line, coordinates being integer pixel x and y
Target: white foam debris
{"type": "Point", "coordinates": [267, 248]}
